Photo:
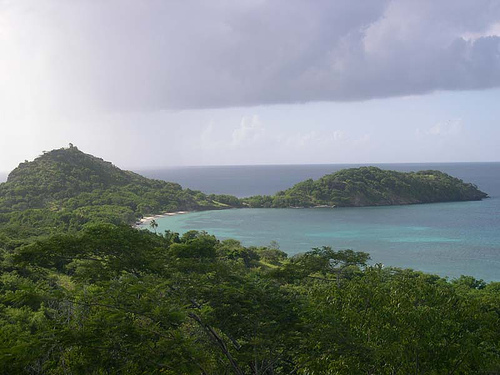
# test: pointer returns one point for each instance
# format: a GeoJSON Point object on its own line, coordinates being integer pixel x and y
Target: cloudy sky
{"type": "Point", "coordinates": [162, 83]}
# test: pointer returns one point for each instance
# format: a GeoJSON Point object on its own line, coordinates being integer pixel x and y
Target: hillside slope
{"type": "Point", "coordinates": [67, 188]}
{"type": "Point", "coordinates": [371, 186]}
{"type": "Point", "coordinates": [67, 172]}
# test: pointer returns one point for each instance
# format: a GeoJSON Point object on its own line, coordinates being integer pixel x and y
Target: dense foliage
{"type": "Point", "coordinates": [81, 292]}
{"type": "Point", "coordinates": [112, 299]}
{"type": "Point", "coordinates": [371, 186]}
{"type": "Point", "coordinates": [65, 189]}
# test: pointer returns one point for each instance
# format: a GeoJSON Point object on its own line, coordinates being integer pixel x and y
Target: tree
{"type": "Point", "coordinates": [153, 225]}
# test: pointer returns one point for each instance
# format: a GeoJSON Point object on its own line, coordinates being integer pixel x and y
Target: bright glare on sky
{"type": "Point", "coordinates": [166, 83]}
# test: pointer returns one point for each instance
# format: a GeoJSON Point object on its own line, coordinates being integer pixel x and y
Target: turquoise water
{"type": "Point", "coordinates": [437, 238]}
{"type": "Point", "coordinates": [449, 239]}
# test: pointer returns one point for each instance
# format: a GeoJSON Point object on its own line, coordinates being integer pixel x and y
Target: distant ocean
{"type": "Point", "coordinates": [449, 239]}
{"type": "Point", "coordinates": [247, 180]}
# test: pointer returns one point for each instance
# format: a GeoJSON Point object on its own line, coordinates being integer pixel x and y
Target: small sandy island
{"type": "Point", "coordinates": [147, 219]}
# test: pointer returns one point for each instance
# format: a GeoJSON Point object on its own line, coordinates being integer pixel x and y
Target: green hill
{"type": "Point", "coordinates": [83, 292]}
{"type": "Point", "coordinates": [371, 186]}
{"type": "Point", "coordinates": [64, 189]}
{"type": "Point", "coordinates": [65, 173]}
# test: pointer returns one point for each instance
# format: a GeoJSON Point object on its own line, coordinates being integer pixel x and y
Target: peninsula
{"type": "Point", "coordinates": [66, 188]}
{"type": "Point", "coordinates": [371, 186]}
{"type": "Point", "coordinates": [82, 291]}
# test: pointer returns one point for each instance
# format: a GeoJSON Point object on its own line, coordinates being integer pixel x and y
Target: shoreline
{"type": "Point", "coordinates": [147, 219]}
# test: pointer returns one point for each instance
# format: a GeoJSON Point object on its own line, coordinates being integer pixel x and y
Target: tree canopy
{"type": "Point", "coordinates": [83, 292]}
{"type": "Point", "coordinates": [372, 186]}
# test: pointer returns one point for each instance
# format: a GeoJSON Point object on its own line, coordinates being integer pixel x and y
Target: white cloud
{"type": "Point", "coordinates": [300, 140]}
{"type": "Point", "coordinates": [250, 131]}
{"type": "Point", "coordinates": [493, 30]}
{"type": "Point", "coordinates": [323, 139]}
{"type": "Point", "coordinates": [338, 135]}
{"type": "Point", "coordinates": [441, 129]}
{"type": "Point", "coordinates": [254, 141]}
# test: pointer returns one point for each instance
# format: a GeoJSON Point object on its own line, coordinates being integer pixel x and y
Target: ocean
{"type": "Point", "coordinates": [448, 239]}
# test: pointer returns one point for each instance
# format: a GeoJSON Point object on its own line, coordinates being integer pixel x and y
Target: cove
{"type": "Point", "coordinates": [448, 239]}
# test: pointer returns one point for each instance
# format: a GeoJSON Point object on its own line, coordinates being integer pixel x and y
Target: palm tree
{"type": "Point", "coordinates": [153, 224]}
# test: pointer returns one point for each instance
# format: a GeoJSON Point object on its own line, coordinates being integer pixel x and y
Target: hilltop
{"type": "Point", "coordinates": [67, 172]}
{"type": "Point", "coordinates": [81, 291]}
{"type": "Point", "coordinates": [66, 188]}
{"type": "Point", "coordinates": [371, 186]}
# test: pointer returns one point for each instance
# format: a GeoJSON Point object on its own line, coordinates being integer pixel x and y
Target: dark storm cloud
{"type": "Point", "coordinates": [155, 54]}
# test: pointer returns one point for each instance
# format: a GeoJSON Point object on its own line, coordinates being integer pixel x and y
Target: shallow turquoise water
{"type": "Point", "coordinates": [449, 239]}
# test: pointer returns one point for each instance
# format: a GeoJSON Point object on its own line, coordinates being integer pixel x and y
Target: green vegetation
{"type": "Point", "coordinates": [371, 186]}
{"type": "Point", "coordinates": [65, 189]}
{"type": "Point", "coordinates": [113, 299]}
{"type": "Point", "coordinates": [82, 292]}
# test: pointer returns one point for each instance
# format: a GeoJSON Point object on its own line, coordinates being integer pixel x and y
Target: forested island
{"type": "Point", "coordinates": [67, 188]}
{"type": "Point", "coordinates": [83, 292]}
{"type": "Point", "coordinates": [372, 186]}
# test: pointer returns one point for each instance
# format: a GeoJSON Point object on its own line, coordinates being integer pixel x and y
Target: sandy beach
{"type": "Point", "coordinates": [147, 219]}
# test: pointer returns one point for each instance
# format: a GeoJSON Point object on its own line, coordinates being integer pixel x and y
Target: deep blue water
{"type": "Point", "coordinates": [449, 239]}
{"type": "Point", "coordinates": [247, 180]}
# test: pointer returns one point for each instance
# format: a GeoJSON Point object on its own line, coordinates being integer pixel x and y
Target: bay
{"type": "Point", "coordinates": [449, 239]}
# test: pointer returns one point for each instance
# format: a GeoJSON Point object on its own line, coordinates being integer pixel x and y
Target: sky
{"type": "Point", "coordinates": [156, 83]}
